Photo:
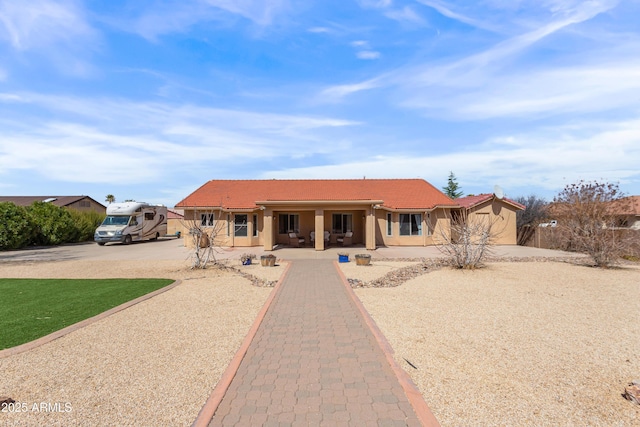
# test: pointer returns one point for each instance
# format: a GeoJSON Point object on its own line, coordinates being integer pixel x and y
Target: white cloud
{"type": "Point", "coordinates": [405, 15]}
{"type": "Point", "coordinates": [178, 16]}
{"type": "Point", "coordinates": [491, 83]}
{"type": "Point", "coordinates": [446, 10]}
{"type": "Point", "coordinates": [338, 92]}
{"type": "Point", "coordinates": [468, 70]}
{"type": "Point", "coordinates": [546, 159]}
{"type": "Point", "coordinates": [364, 50]}
{"type": "Point", "coordinates": [57, 31]}
{"type": "Point", "coordinates": [319, 30]}
{"type": "Point", "coordinates": [118, 141]}
{"type": "Point", "coordinates": [259, 11]}
{"type": "Point", "coordinates": [42, 23]}
{"type": "Point", "coordinates": [368, 54]}
{"type": "Point", "coordinates": [587, 88]}
{"type": "Point", "coordinates": [374, 4]}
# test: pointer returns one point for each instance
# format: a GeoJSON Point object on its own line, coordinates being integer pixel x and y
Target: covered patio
{"type": "Point", "coordinates": [321, 224]}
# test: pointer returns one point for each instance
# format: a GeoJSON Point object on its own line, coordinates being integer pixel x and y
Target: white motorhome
{"type": "Point", "coordinates": [132, 221]}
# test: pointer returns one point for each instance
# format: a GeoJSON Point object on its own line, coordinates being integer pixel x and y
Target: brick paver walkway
{"type": "Point", "coordinates": [313, 361]}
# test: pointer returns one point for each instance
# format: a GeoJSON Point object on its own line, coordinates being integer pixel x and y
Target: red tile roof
{"type": "Point", "coordinates": [471, 201]}
{"type": "Point", "coordinates": [629, 205]}
{"type": "Point", "coordinates": [175, 214]}
{"type": "Point", "coordinates": [56, 200]}
{"type": "Point", "coordinates": [246, 194]}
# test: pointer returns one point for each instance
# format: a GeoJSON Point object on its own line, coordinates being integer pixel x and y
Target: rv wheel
{"type": "Point", "coordinates": [127, 239]}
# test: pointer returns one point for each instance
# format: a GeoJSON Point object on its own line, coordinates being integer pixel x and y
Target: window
{"type": "Point", "coordinates": [428, 224]}
{"type": "Point", "coordinates": [241, 225]}
{"type": "Point", "coordinates": [84, 204]}
{"type": "Point", "coordinates": [622, 222]}
{"type": "Point", "coordinates": [410, 224]}
{"type": "Point", "coordinates": [148, 216]}
{"type": "Point", "coordinates": [255, 225]}
{"type": "Point", "coordinates": [341, 223]}
{"type": "Point", "coordinates": [389, 225]}
{"type": "Point", "coordinates": [288, 223]}
{"type": "Point", "coordinates": [207, 220]}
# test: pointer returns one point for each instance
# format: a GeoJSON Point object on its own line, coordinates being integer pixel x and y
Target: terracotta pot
{"type": "Point", "coordinates": [268, 260]}
{"type": "Point", "coordinates": [363, 259]}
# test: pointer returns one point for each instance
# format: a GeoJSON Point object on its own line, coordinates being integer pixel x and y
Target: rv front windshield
{"type": "Point", "coordinates": [116, 220]}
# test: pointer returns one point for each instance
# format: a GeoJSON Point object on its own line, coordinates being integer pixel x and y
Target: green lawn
{"type": "Point", "coordinates": [32, 308]}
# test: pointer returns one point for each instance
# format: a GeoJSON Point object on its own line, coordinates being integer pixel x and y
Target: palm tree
{"type": "Point", "coordinates": [110, 198]}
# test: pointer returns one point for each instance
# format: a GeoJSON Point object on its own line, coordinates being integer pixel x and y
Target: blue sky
{"type": "Point", "coordinates": [148, 100]}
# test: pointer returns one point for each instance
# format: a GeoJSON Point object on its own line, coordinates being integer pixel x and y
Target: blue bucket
{"type": "Point", "coordinates": [343, 258]}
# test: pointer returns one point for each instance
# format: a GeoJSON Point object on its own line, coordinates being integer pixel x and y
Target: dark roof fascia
{"type": "Point", "coordinates": [319, 202]}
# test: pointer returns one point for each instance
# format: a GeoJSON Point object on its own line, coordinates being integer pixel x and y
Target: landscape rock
{"type": "Point", "coordinates": [632, 392]}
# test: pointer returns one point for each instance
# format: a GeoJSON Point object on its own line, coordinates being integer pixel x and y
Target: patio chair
{"type": "Point", "coordinates": [312, 238]}
{"type": "Point", "coordinates": [295, 241]}
{"type": "Point", "coordinates": [327, 237]}
{"type": "Point", "coordinates": [345, 240]}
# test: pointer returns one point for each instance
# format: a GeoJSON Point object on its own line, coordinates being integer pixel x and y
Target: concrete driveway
{"type": "Point", "coordinates": [174, 249]}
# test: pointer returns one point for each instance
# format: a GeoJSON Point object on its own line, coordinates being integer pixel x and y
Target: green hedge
{"type": "Point", "coordinates": [16, 229]}
{"type": "Point", "coordinates": [44, 224]}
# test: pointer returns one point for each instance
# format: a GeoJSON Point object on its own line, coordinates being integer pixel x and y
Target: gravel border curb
{"type": "Point", "coordinates": [211, 405]}
{"type": "Point", "coordinates": [81, 324]}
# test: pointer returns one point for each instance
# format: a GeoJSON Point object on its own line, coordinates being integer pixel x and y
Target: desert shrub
{"type": "Point", "coordinates": [53, 225]}
{"type": "Point", "coordinates": [470, 241]}
{"type": "Point", "coordinates": [16, 229]}
{"type": "Point", "coordinates": [588, 219]}
{"type": "Point", "coordinates": [85, 224]}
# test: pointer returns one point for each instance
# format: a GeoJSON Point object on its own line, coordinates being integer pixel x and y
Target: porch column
{"type": "Point", "coordinates": [267, 229]}
{"type": "Point", "coordinates": [319, 229]}
{"type": "Point", "coordinates": [370, 228]}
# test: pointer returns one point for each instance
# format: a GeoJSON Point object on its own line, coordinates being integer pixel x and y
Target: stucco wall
{"type": "Point", "coordinates": [435, 228]}
{"type": "Point", "coordinates": [92, 206]}
{"type": "Point", "coordinates": [502, 217]}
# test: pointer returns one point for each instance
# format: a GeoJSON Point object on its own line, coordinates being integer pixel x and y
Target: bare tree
{"type": "Point", "coordinates": [469, 240]}
{"type": "Point", "coordinates": [587, 220]}
{"type": "Point", "coordinates": [206, 233]}
{"type": "Point", "coordinates": [527, 220]}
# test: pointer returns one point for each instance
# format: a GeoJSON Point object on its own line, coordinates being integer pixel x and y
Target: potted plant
{"type": "Point", "coordinates": [363, 259]}
{"type": "Point", "coordinates": [246, 258]}
{"type": "Point", "coordinates": [268, 260]}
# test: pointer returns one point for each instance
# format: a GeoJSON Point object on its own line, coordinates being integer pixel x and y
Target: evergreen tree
{"type": "Point", "coordinates": [452, 189]}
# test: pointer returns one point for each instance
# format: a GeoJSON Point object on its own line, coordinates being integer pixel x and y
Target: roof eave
{"type": "Point", "coordinates": [318, 202]}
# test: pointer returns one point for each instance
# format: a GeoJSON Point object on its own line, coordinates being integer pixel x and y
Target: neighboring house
{"type": "Point", "coordinates": [175, 219]}
{"type": "Point", "coordinates": [377, 212]}
{"type": "Point", "coordinates": [628, 213]}
{"type": "Point", "coordinates": [80, 203]}
{"type": "Point", "coordinates": [499, 212]}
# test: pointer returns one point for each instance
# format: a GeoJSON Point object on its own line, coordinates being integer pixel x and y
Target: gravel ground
{"type": "Point", "coordinates": [526, 343]}
{"type": "Point", "coordinates": [537, 343]}
{"type": "Point", "coordinates": [152, 364]}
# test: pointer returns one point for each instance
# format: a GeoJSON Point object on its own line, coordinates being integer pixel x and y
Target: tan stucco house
{"type": "Point", "coordinates": [372, 212]}
{"type": "Point", "coordinates": [500, 212]}
{"type": "Point", "coordinates": [79, 203]}
{"type": "Point", "coordinates": [627, 211]}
